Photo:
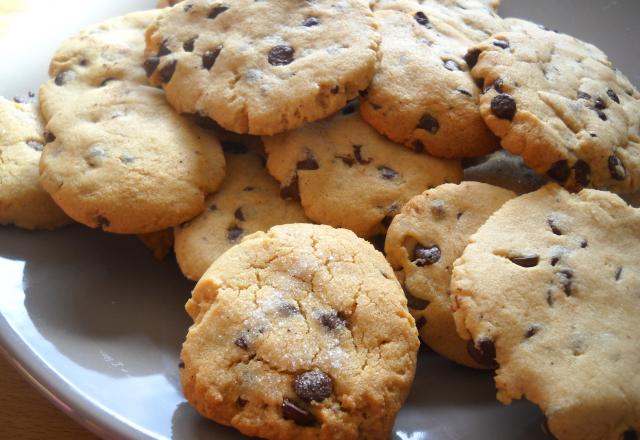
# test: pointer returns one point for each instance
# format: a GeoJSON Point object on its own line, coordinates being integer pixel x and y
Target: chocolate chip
{"type": "Point", "coordinates": [464, 92]}
{"type": "Point", "coordinates": [234, 147]}
{"type": "Point", "coordinates": [308, 164]}
{"type": "Point", "coordinates": [566, 277]}
{"type": "Point", "coordinates": [429, 123]}
{"type": "Point", "coordinates": [426, 255]}
{"type": "Point", "coordinates": [602, 115]}
{"type": "Point", "coordinates": [618, 273]}
{"type": "Point", "coordinates": [555, 260]}
{"type": "Point", "coordinates": [550, 299]}
{"type": "Point", "coordinates": [583, 95]}
{"type": "Point", "coordinates": [348, 160]}
{"type": "Point", "coordinates": [241, 402]}
{"type": "Point", "coordinates": [583, 172]}
{"type": "Point", "coordinates": [150, 65]}
{"type": "Point", "coordinates": [614, 97]}
{"type": "Point", "coordinates": [421, 18]}
{"type": "Point", "coordinates": [281, 55]}
{"type": "Point", "coordinates": [483, 352]}
{"type": "Point", "coordinates": [35, 145]}
{"type": "Point", "coordinates": [526, 260]}
{"type": "Point", "coordinates": [471, 57]}
{"type": "Point", "coordinates": [421, 322]}
{"type": "Point", "coordinates": [451, 65]}
{"type": "Point", "coordinates": [414, 302]}
{"type": "Point", "coordinates": [239, 215]}
{"type": "Point", "coordinates": [332, 320]}
{"type": "Point", "coordinates": [181, 364]}
{"type": "Point", "coordinates": [532, 330]}
{"type": "Point", "coordinates": [310, 21]}
{"type": "Point", "coordinates": [163, 49]}
{"type": "Point", "coordinates": [600, 104]}
{"type": "Point", "coordinates": [498, 85]}
{"type": "Point", "coordinates": [166, 73]}
{"type": "Point", "coordinates": [217, 10]}
{"type": "Point", "coordinates": [503, 106]}
{"type": "Point", "coordinates": [234, 233]}
{"type": "Point", "coordinates": [387, 173]}
{"type": "Point", "coordinates": [242, 342]}
{"type": "Point", "coordinates": [616, 168]}
{"type": "Point", "coordinates": [189, 44]}
{"type": "Point", "coordinates": [60, 78]}
{"type": "Point", "coordinates": [584, 244]}
{"type": "Point", "coordinates": [286, 310]}
{"type": "Point", "coordinates": [102, 222]}
{"type": "Point", "coordinates": [554, 228]}
{"type": "Point", "coordinates": [502, 44]}
{"type": "Point", "coordinates": [357, 153]}
{"type": "Point", "coordinates": [209, 57]}
{"type": "Point", "coordinates": [630, 434]}
{"type": "Point", "coordinates": [313, 386]}
{"type": "Point", "coordinates": [559, 171]}
{"type": "Point", "coordinates": [291, 191]}
{"type": "Point", "coordinates": [49, 137]}
{"type": "Point", "coordinates": [300, 416]}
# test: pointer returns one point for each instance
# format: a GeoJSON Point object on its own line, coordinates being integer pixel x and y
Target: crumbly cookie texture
{"type": "Point", "coordinates": [422, 94]}
{"type": "Point", "coordinates": [120, 158]}
{"type": "Point", "coordinates": [559, 103]}
{"type": "Point", "coordinates": [248, 201]}
{"type": "Point", "coordinates": [23, 202]}
{"type": "Point", "coordinates": [347, 175]}
{"type": "Point", "coordinates": [549, 286]}
{"type": "Point", "coordinates": [422, 243]}
{"type": "Point", "coordinates": [300, 333]}
{"type": "Point", "coordinates": [160, 243]}
{"type": "Point", "coordinates": [262, 67]}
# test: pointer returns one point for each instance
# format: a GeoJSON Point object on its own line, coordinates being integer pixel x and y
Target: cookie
{"type": "Point", "coordinates": [559, 103]}
{"type": "Point", "coordinates": [120, 157]}
{"type": "Point", "coordinates": [262, 67]}
{"type": "Point", "coordinates": [422, 94]}
{"type": "Point", "coordinates": [549, 287]}
{"type": "Point", "coordinates": [160, 243]}
{"type": "Point", "coordinates": [422, 243]}
{"type": "Point", "coordinates": [347, 175]}
{"type": "Point", "coordinates": [248, 201]}
{"type": "Point", "coordinates": [23, 202]}
{"type": "Point", "coordinates": [300, 333]}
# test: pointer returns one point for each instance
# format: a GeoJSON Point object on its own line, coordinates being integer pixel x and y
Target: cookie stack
{"type": "Point", "coordinates": [225, 130]}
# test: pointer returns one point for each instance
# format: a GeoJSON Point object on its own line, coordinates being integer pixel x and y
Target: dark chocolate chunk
{"type": "Point", "coordinates": [583, 95]}
{"type": "Point", "coordinates": [414, 302]}
{"type": "Point", "coordinates": [357, 153]}
{"type": "Point", "coordinates": [600, 104]}
{"type": "Point", "coordinates": [559, 171]}
{"type": "Point", "coordinates": [471, 57]}
{"type": "Point", "coordinates": [566, 277]}
{"type": "Point", "coordinates": [239, 215]}
{"type": "Point", "coordinates": [300, 416]}
{"type": "Point", "coordinates": [554, 228]}
{"type": "Point", "coordinates": [242, 342]}
{"type": "Point", "coordinates": [503, 106]}
{"type": "Point", "coordinates": [61, 78]}
{"type": "Point", "coordinates": [616, 168]}
{"type": "Point", "coordinates": [291, 191]}
{"type": "Point", "coordinates": [217, 10]}
{"type": "Point", "coordinates": [348, 160]}
{"type": "Point", "coordinates": [502, 44]}
{"type": "Point", "coordinates": [166, 73]}
{"type": "Point", "coordinates": [310, 21]}
{"type": "Point", "coordinates": [526, 260]}
{"type": "Point", "coordinates": [421, 18]}
{"type": "Point", "coordinates": [150, 65]}
{"type": "Point", "coordinates": [332, 320]}
{"type": "Point", "coordinates": [102, 222]}
{"type": "Point", "coordinates": [189, 44]}
{"type": "Point", "coordinates": [429, 123]}
{"type": "Point", "coordinates": [163, 49]}
{"type": "Point", "coordinates": [618, 273]}
{"type": "Point", "coordinates": [281, 55]}
{"type": "Point", "coordinates": [313, 386]}
{"type": "Point", "coordinates": [426, 255]}
{"type": "Point", "coordinates": [584, 244]}
{"type": "Point", "coordinates": [234, 147]}
{"type": "Point", "coordinates": [464, 92]}
{"type": "Point", "coordinates": [583, 172]}
{"type": "Point", "coordinates": [614, 97]}
{"type": "Point", "coordinates": [49, 137]}
{"type": "Point", "coordinates": [483, 352]}
{"type": "Point", "coordinates": [181, 364]}
{"type": "Point", "coordinates": [602, 115]}
{"type": "Point", "coordinates": [532, 330]}
{"type": "Point", "coordinates": [309, 164]}
{"type": "Point", "coordinates": [209, 57]}
{"type": "Point", "coordinates": [451, 65]}
{"type": "Point", "coordinates": [498, 85]}
{"type": "Point", "coordinates": [234, 233]}
{"type": "Point", "coordinates": [387, 173]}
{"type": "Point", "coordinates": [241, 402]}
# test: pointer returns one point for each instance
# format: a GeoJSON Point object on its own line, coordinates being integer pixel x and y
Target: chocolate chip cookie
{"type": "Point", "coordinates": [559, 103]}
{"type": "Point", "coordinates": [23, 202]}
{"type": "Point", "coordinates": [120, 158]}
{"type": "Point", "coordinates": [422, 94]}
{"type": "Point", "coordinates": [422, 243]}
{"type": "Point", "coordinates": [549, 288]}
{"type": "Point", "coordinates": [248, 201]}
{"type": "Point", "coordinates": [300, 333]}
{"type": "Point", "coordinates": [262, 67]}
{"type": "Point", "coordinates": [347, 175]}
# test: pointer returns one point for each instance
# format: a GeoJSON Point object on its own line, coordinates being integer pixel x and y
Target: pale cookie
{"type": "Point", "coordinates": [347, 175]}
{"type": "Point", "coordinates": [300, 333]}
{"type": "Point", "coordinates": [248, 201]}
{"type": "Point", "coordinates": [422, 243]}
{"type": "Point", "coordinates": [422, 94]}
{"type": "Point", "coordinates": [560, 104]}
{"type": "Point", "coordinates": [262, 67]}
{"type": "Point", "coordinates": [549, 286]}
{"type": "Point", "coordinates": [23, 202]}
{"type": "Point", "coordinates": [160, 243]}
{"type": "Point", "coordinates": [122, 158]}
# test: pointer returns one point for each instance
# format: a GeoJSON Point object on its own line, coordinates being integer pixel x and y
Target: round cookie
{"type": "Point", "coordinates": [248, 201]}
{"type": "Point", "coordinates": [422, 94]}
{"type": "Point", "coordinates": [549, 286]}
{"type": "Point", "coordinates": [559, 103]}
{"type": "Point", "coordinates": [347, 175]}
{"type": "Point", "coordinates": [262, 67]}
{"type": "Point", "coordinates": [300, 333]}
{"type": "Point", "coordinates": [23, 202]}
{"type": "Point", "coordinates": [422, 243]}
{"type": "Point", "coordinates": [120, 157]}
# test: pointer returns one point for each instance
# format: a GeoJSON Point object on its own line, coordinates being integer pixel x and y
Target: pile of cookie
{"type": "Point", "coordinates": [266, 142]}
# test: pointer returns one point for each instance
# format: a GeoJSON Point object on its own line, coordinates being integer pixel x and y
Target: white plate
{"type": "Point", "coordinates": [94, 322]}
